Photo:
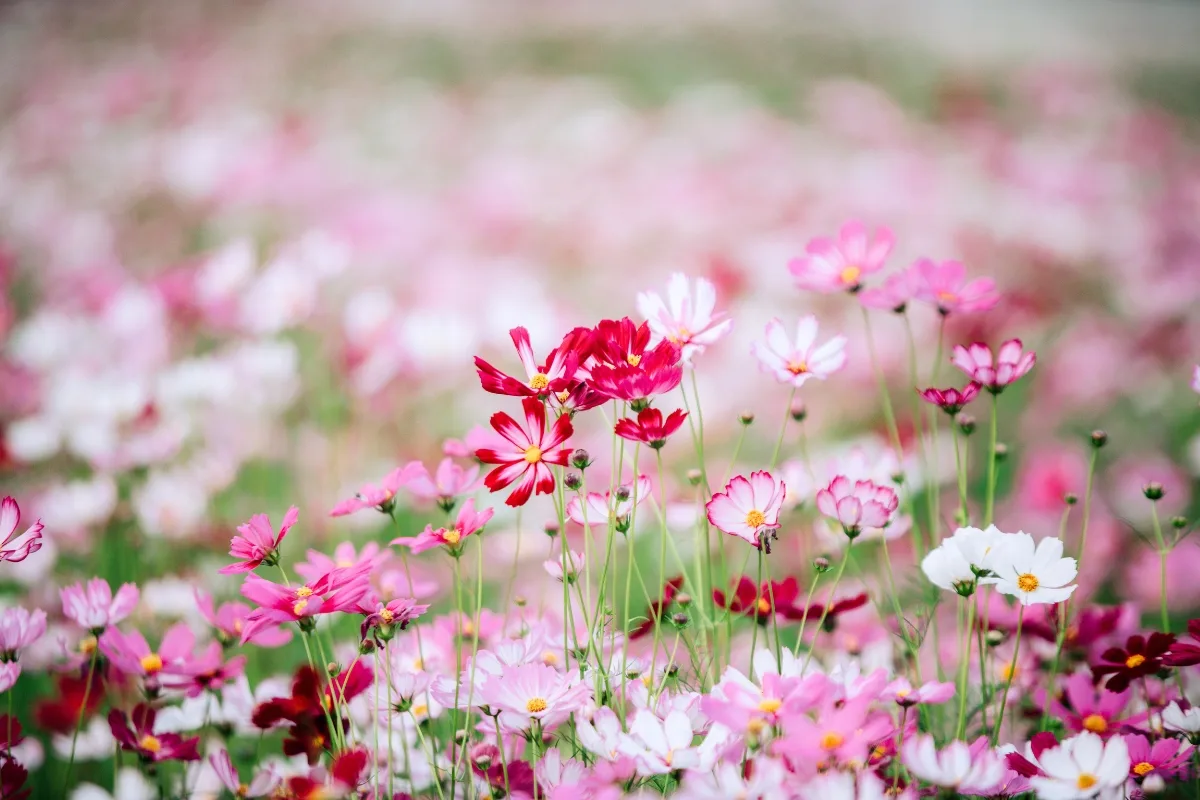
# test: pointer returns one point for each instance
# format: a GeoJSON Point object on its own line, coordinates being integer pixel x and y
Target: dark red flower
{"type": "Point", "coordinates": [136, 733]}
{"type": "Point", "coordinates": [61, 713]}
{"type": "Point", "coordinates": [1139, 658]}
{"type": "Point", "coordinates": [310, 708]}
{"type": "Point", "coordinates": [650, 427]}
{"type": "Point", "coordinates": [1019, 764]}
{"type": "Point", "coordinates": [12, 779]}
{"type": "Point", "coordinates": [838, 608]}
{"type": "Point", "coordinates": [10, 732]}
{"type": "Point", "coordinates": [756, 601]}
{"type": "Point", "coordinates": [641, 375]}
{"type": "Point", "coordinates": [951, 401]}
{"type": "Point", "coordinates": [530, 452]}
{"type": "Point", "coordinates": [346, 773]}
{"type": "Point", "coordinates": [556, 374]}
{"type": "Point", "coordinates": [1184, 654]}
{"type": "Point", "coordinates": [516, 776]}
{"type": "Point", "coordinates": [670, 592]}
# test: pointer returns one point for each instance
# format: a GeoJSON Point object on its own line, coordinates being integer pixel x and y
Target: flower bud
{"type": "Point", "coordinates": [581, 459]}
{"type": "Point", "coordinates": [821, 565]}
{"type": "Point", "coordinates": [966, 423]}
{"type": "Point", "coordinates": [1153, 491]}
{"type": "Point", "coordinates": [1070, 498]}
{"type": "Point", "coordinates": [1099, 438]}
{"type": "Point", "coordinates": [520, 601]}
{"type": "Point", "coordinates": [366, 647]}
{"type": "Point", "coordinates": [333, 668]}
{"type": "Point", "coordinates": [683, 600]}
{"type": "Point", "coordinates": [1001, 451]}
{"type": "Point", "coordinates": [799, 411]}
{"type": "Point", "coordinates": [694, 476]}
{"type": "Point", "coordinates": [622, 493]}
{"type": "Point", "coordinates": [679, 620]}
{"type": "Point", "coordinates": [551, 529]}
{"type": "Point", "coordinates": [746, 417]}
{"type": "Point", "coordinates": [995, 638]}
{"type": "Point", "coordinates": [461, 735]}
{"type": "Point", "coordinates": [1179, 523]}
{"type": "Point", "coordinates": [572, 481]}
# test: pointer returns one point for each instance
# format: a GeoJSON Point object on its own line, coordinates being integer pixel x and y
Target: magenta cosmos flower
{"type": "Point", "coordinates": [95, 608]}
{"type": "Point", "coordinates": [469, 522]}
{"type": "Point", "coordinates": [651, 427]}
{"type": "Point", "coordinates": [130, 653]}
{"type": "Point", "coordinates": [554, 376]}
{"type": "Point", "coordinates": [136, 733]}
{"type": "Point", "coordinates": [449, 482]}
{"type": "Point", "coordinates": [687, 317]}
{"type": "Point", "coordinates": [1009, 365]}
{"type": "Point", "coordinates": [640, 377]}
{"type": "Point", "coordinates": [795, 361]}
{"type": "Point", "coordinates": [381, 497]}
{"type": "Point", "coordinates": [339, 590]}
{"type": "Point", "coordinates": [749, 507]}
{"type": "Point", "coordinates": [229, 620]}
{"type": "Point", "coordinates": [16, 547]}
{"type": "Point", "coordinates": [857, 506]}
{"type": "Point", "coordinates": [945, 286]}
{"type": "Point", "coordinates": [832, 266]}
{"type": "Point", "coordinates": [258, 542]}
{"type": "Point", "coordinates": [534, 449]}
{"type": "Point", "coordinates": [951, 400]}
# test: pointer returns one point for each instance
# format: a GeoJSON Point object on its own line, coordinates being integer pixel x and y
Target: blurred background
{"type": "Point", "coordinates": [250, 248]}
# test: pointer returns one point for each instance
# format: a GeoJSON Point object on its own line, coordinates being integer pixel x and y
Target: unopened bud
{"type": "Point", "coordinates": [461, 735]}
{"type": "Point", "coordinates": [679, 620]}
{"type": "Point", "coordinates": [1179, 523]}
{"type": "Point", "coordinates": [746, 417]}
{"type": "Point", "coordinates": [551, 529]}
{"type": "Point", "coordinates": [1001, 451]}
{"type": "Point", "coordinates": [366, 647]}
{"type": "Point", "coordinates": [622, 493]}
{"type": "Point", "coordinates": [672, 669]}
{"type": "Point", "coordinates": [799, 411]}
{"type": "Point", "coordinates": [332, 668]}
{"type": "Point", "coordinates": [1070, 498]}
{"type": "Point", "coordinates": [1153, 490]}
{"type": "Point", "coordinates": [581, 459]}
{"type": "Point", "coordinates": [572, 481]}
{"type": "Point", "coordinates": [966, 423]}
{"type": "Point", "coordinates": [520, 601]}
{"type": "Point", "coordinates": [1099, 438]}
{"type": "Point", "coordinates": [821, 565]}
{"type": "Point", "coordinates": [694, 476]}
{"type": "Point", "coordinates": [995, 638]}
{"type": "Point", "coordinates": [683, 600]}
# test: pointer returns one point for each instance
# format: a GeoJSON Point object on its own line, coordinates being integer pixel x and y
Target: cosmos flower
{"type": "Point", "coordinates": [951, 400]}
{"type": "Point", "coordinates": [132, 655]}
{"type": "Point", "coordinates": [1182, 720]}
{"type": "Point", "coordinates": [552, 376]}
{"type": "Point", "coordinates": [1032, 574]}
{"type": "Point", "coordinates": [381, 497]}
{"type": "Point", "coordinates": [749, 507]}
{"type": "Point", "coordinates": [761, 603]}
{"type": "Point", "coordinates": [640, 378]}
{"type": "Point", "coordinates": [1085, 707]}
{"type": "Point", "coordinates": [954, 766]}
{"type": "Point", "coordinates": [449, 482]}
{"type": "Point", "coordinates": [945, 286]}
{"type": "Point", "coordinates": [533, 449]}
{"type": "Point", "coordinates": [650, 428]}
{"type": "Point", "coordinates": [535, 694]}
{"type": "Point", "coordinates": [468, 523]}
{"type": "Point", "coordinates": [339, 590]}
{"type": "Point", "coordinates": [258, 542]}
{"type": "Point", "coordinates": [229, 620]}
{"type": "Point", "coordinates": [615, 506]}
{"type": "Point", "coordinates": [19, 628]}
{"type": "Point", "coordinates": [1009, 365]}
{"type": "Point", "coordinates": [264, 782]}
{"type": "Point", "coordinates": [687, 317]}
{"type": "Point", "coordinates": [833, 266]}
{"type": "Point", "coordinates": [904, 694]}
{"type": "Point", "coordinates": [1080, 767]}
{"type": "Point", "coordinates": [136, 733]}
{"type": "Point", "coordinates": [14, 547]}
{"type": "Point", "coordinates": [794, 362]}
{"type": "Point", "coordinates": [1167, 758]}
{"type": "Point", "coordinates": [95, 608]}
{"type": "Point", "coordinates": [1141, 657]}
{"type": "Point", "coordinates": [897, 291]}
{"type": "Point", "coordinates": [858, 506]}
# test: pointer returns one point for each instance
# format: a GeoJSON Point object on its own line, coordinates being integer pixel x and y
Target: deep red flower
{"type": "Point", "coordinates": [951, 400]}
{"type": "Point", "coordinates": [669, 593]}
{"type": "Point", "coordinates": [1040, 743]}
{"type": "Point", "coordinates": [61, 713]}
{"type": "Point", "coordinates": [838, 608]}
{"type": "Point", "coordinates": [1184, 654]}
{"type": "Point", "coordinates": [552, 376]}
{"type": "Point", "coordinates": [620, 342]}
{"type": "Point", "coordinates": [1139, 658]}
{"type": "Point", "coordinates": [136, 733]}
{"type": "Point", "coordinates": [533, 450]}
{"type": "Point", "coordinates": [650, 427]}
{"type": "Point", "coordinates": [12, 779]}
{"type": "Point", "coordinates": [642, 377]}
{"type": "Point", "coordinates": [516, 776]}
{"type": "Point", "coordinates": [756, 601]}
{"type": "Point", "coordinates": [346, 773]}
{"type": "Point", "coordinates": [310, 707]}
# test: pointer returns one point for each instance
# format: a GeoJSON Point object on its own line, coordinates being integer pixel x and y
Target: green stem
{"type": "Point", "coordinates": [837, 579]}
{"type": "Point", "coordinates": [963, 671]}
{"type": "Point", "coordinates": [758, 595]}
{"type": "Point", "coordinates": [787, 415]}
{"type": "Point", "coordinates": [87, 691]}
{"type": "Point", "coordinates": [1163, 552]}
{"type": "Point", "coordinates": [1012, 670]}
{"type": "Point", "coordinates": [889, 415]}
{"type": "Point", "coordinates": [989, 508]}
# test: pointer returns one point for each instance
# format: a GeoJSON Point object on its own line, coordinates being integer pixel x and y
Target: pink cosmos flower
{"type": "Point", "coordinates": [533, 449]}
{"type": "Point", "coordinates": [468, 523]}
{"type": "Point", "coordinates": [540, 379]}
{"type": "Point", "coordinates": [207, 672]}
{"type": "Point", "coordinates": [19, 628]}
{"type": "Point", "coordinates": [831, 266]}
{"type": "Point", "coordinates": [95, 608]}
{"type": "Point", "coordinates": [535, 694]}
{"type": "Point", "coordinates": [9, 672]}
{"type": "Point", "coordinates": [479, 437]}
{"type": "Point", "coordinates": [857, 506]}
{"type": "Point", "coordinates": [344, 557]}
{"type": "Point", "coordinates": [843, 731]}
{"type": "Point", "coordinates": [388, 617]}
{"type": "Point", "coordinates": [263, 783]}
{"type": "Point", "coordinates": [1167, 758]}
{"type": "Point", "coordinates": [946, 287]}
{"type": "Point", "coordinates": [258, 543]}
{"type": "Point", "coordinates": [686, 317]}
{"type": "Point", "coordinates": [382, 497]}
{"type": "Point", "coordinates": [602, 734]}
{"type": "Point", "coordinates": [617, 505]}
{"type": "Point", "coordinates": [229, 621]}
{"type": "Point", "coordinates": [449, 482]}
{"type": "Point", "coordinates": [339, 590]}
{"type": "Point", "coordinates": [661, 746]}
{"type": "Point", "coordinates": [650, 428]}
{"type": "Point", "coordinates": [137, 734]}
{"type": "Point", "coordinates": [130, 653]}
{"type": "Point", "coordinates": [1009, 366]}
{"type": "Point", "coordinates": [903, 694]}
{"type": "Point", "coordinates": [24, 545]}
{"type": "Point", "coordinates": [1086, 707]}
{"type": "Point", "coordinates": [896, 293]}
{"type": "Point", "coordinates": [955, 766]}
{"type": "Point", "coordinates": [951, 400]}
{"type": "Point", "coordinates": [794, 362]}
{"type": "Point", "coordinates": [748, 508]}
{"type": "Point", "coordinates": [554, 566]}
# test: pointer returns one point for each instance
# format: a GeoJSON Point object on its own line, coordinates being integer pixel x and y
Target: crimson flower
{"type": "Point", "coordinates": [1184, 654]}
{"type": "Point", "coordinates": [951, 400]}
{"type": "Point", "coordinates": [554, 375]}
{"type": "Point", "coordinates": [310, 708]}
{"type": "Point", "coordinates": [651, 428]}
{"type": "Point", "coordinates": [347, 771]}
{"type": "Point", "coordinates": [60, 712]}
{"type": "Point", "coordinates": [756, 601]}
{"type": "Point", "coordinates": [640, 375]}
{"type": "Point", "coordinates": [1139, 658]}
{"type": "Point", "coordinates": [1010, 364]}
{"type": "Point", "coordinates": [620, 342]}
{"type": "Point", "coordinates": [12, 779]}
{"type": "Point", "coordinates": [838, 608]}
{"type": "Point", "coordinates": [136, 733]}
{"type": "Point", "coordinates": [669, 593]}
{"type": "Point", "coordinates": [534, 449]}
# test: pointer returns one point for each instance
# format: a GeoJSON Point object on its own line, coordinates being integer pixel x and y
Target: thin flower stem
{"type": "Point", "coordinates": [662, 560]}
{"type": "Point", "coordinates": [774, 615]}
{"type": "Point", "coordinates": [829, 602]}
{"type": "Point", "coordinates": [1087, 507]}
{"type": "Point", "coordinates": [503, 757]}
{"type": "Point", "coordinates": [812, 588]}
{"type": "Point", "coordinates": [984, 691]}
{"type": "Point", "coordinates": [787, 415]}
{"type": "Point", "coordinates": [458, 666]}
{"type": "Point", "coordinates": [889, 415]}
{"type": "Point", "coordinates": [960, 729]}
{"type": "Point", "coordinates": [87, 691]}
{"type": "Point", "coordinates": [1163, 552]}
{"type": "Point", "coordinates": [1012, 670]}
{"type": "Point", "coordinates": [754, 634]}
{"type": "Point", "coordinates": [960, 468]}
{"type": "Point", "coordinates": [990, 504]}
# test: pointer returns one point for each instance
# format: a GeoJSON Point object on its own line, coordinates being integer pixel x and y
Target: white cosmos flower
{"type": "Point", "coordinates": [1185, 721]}
{"type": "Point", "coordinates": [946, 568]}
{"type": "Point", "coordinates": [1081, 767]}
{"type": "Point", "coordinates": [965, 559]}
{"type": "Point", "coordinates": [1034, 575]}
{"type": "Point", "coordinates": [954, 767]}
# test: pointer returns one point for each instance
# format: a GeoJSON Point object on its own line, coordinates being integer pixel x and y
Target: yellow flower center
{"type": "Point", "coordinates": [386, 616]}
{"type": "Point", "coordinates": [646, 681]}
{"type": "Point", "coordinates": [832, 741]}
{"type": "Point", "coordinates": [539, 382]}
{"type": "Point", "coordinates": [549, 658]}
{"type": "Point", "coordinates": [243, 790]}
{"type": "Point", "coordinates": [946, 297]}
{"type": "Point", "coordinates": [420, 709]}
{"type": "Point", "coordinates": [764, 605]}
{"type": "Point", "coordinates": [668, 757]}
{"type": "Point", "coordinates": [536, 705]}
{"type": "Point", "coordinates": [633, 360]}
{"type": "Point", "coordinates": [797, 367]}
{"type": "Point", "coordinates": [903, 693]}
{"type": "Point", "coordinates": [851, 274]}
{"type": "Point", "coordinates": [238, 625]}
{"type": "Point", "coordinates": [1095, 723]}
{"type": "Point", "coordinates": [1027, 582]}
{"type": "Point", "coordinates": [533, 454]}
{"type": "Point", "coordinates": [755, 518]}
{"type": "Point", "coordinates": [304, 591]}
{"type": "Point", "coordinates": [1086, 780]}
{"type": "Point", "coordinates": [755, 726]}
{"type": "Point", "coordinates": [87, 646]}
{"type": "Point", "coordinates": [770, 706]}
{"type": "Point", "coordinates": [468, 628]}
{"type": "Point", "coordinates": [345, 562]}
{"type": "Point", "coordinates": [1143, 768]}
{"type": "Point", "coordinates": [152, 663]}
{"type": "Point", "coordinates": [562, 396]}
{"type": "Point", "coordinates": [150, 744]}
{"type": "Point", "coordinates": [298, 609]}
{"type": "Point", "coordinates": [1135, 661]}
{"type": "Point", "coordinates": [451, 536]}
{"type": "Point", "coordinates": [680, 336]}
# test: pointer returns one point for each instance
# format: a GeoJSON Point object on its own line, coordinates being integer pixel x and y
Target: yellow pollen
{"type": "Point", "coordinates": [770, 706]}
{"type": "Point", "coordinates": [1027, 582]}
{"type": "Point", "coordinates": [243, 790]}
{"type": "Point", "coordinates": [87, 646]}
{"type": "Point", "coordinates": [1085, 780]}
{"type": "Point", "coordinates": [386, 616]}
{"type": "Point", "coordinates": [298, 609]}
{"type": "Point", "coordinates": [1007, 672]}
{"type": "Point", "coordinates": [420, 709]}
{"type": "Point", "coordinates": [797, 367]}
{"type": "Point", "coordinates": [879, 752]}
{"type": "Point", "coordinates": [549, 658]}
{"type": "Point", "coordinates": [345, 562]}
{"type": "Point", "coordinates": [764, 605]}
{"type": "Point", "coordinates": [418, 664]}
{"type": "Point", "coordinates": [1095, 723]}
{"type": "Point", "coordinates": [667, 758]}
{"type": "Point", "coordinates": [755, 726]}
{"type": "Point", "coordinates": [468, 628]}
{"type": "Point", "coordinates": [539, 382]}
{"type": "Point", "coordinates": [646, 681]}
{"type": "Point", "coordinates": [536, 705]}
{"type": "Point", "coordinates": [832, 741]}
{"type": "Point", "coordinates": [680, 336]}
{"type": "Point", "coordinates": [238, 625]}
{"type": "Point", "coordinates": [755, 518]}
{"type": "Point", "coordinates": [451, 536]}
{"type": "Point", "coordinates": [150, 744]}
{"type": "Point", "coordinates": [1143, 768]}
{"type": "Point", "coordinates": [562, 396]}
{"type": "Point", "coordinates": [152, 663]}
{"type": "Point", "coordinates": [903, 693]}
{"type": "Point", "coordinates": [633, 360]}
{"type": "Point", "coordinates": [533, 454]}
{"type": "Point", "coordinates": [851, 274]}
{"type": "Point", "coordinates": [304, 591]}
{"type": "Point", "coordinates": [1135, 661]}
{"type": "Point", "coordinates": [946, 297]}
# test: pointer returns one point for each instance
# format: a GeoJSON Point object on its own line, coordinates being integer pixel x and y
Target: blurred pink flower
{"type": "Point", "coordinates": [95, 608]}
{"type": "Point", "coordinates": [1009, 366]}
{"type": "Point", "coordinates": [795, 361]}
{"type": "Point", "coordinates": [447, 483]}
{"type": "Point", "coordinates": [381, 497]}
{"type": "Point", "coordinates": [27, 543]}
{"type": "Point", "coordinates": [857, 506]}
{"type": "Point", "coordinates": [897, 291]}
{"type": "Point", "coordinates": [229, 621]}
{"type": "Point", "coordinates": [130, 653]}
{"type": "Point", "coordinates": [831, 266]}
{"type": "Point", "coordinates": [687, 317]}
{"type": "Point", "coordinates": [945, 286]}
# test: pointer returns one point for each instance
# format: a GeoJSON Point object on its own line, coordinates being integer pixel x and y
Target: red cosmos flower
{"type": "Point", "coordinates": [1139, 658]}
{"type": "Point", "coordinates": [347, 771]}
{"type": "Point", "coordinates": [755, 601]}
{"type": "Point", "coordinates": [60, 714]}
{"type": "Point", "coordinates": [555, 375]}
{"type": "Point", "coordinates": [626, 370]}
{"type": "Point", "coordinates": [951, 400]}
{"type": "Point", "coordinates": [650, 427]}
{"type": "Point", "coordinates": [534, 449]}
{"type": "Point", "coordinates": [838, 608]}
{"type": "Point", "coordinates": [12, 779]}
{"type": "Point", "coordinates": [516, 776]}
{"type": "Point", "coordinates": [140, 737]}
{"type": "Point", "coordinates": [620, 342]}
{"type": "Point", "coordinates": [307, 708]}
{"type": "Point", "coordinates": [670, 592]}
{"type": "Point", "coordinates": [1183, 654]}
